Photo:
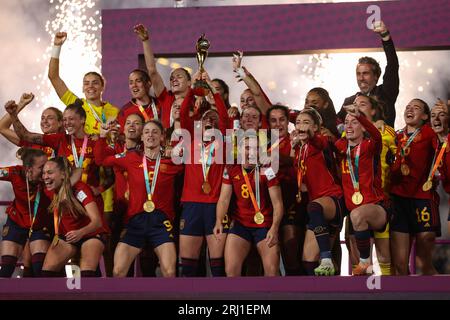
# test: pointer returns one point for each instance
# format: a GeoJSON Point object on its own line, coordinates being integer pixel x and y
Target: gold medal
{"type": "Point", "coordinates": [427, 185]}
{"type": "Point", "coordinates": [258, 218]}
{"type": "Point", "coordinates": [29, 233]}
{"type": "Point", "coordinates": [405, 169]}
{"type": "Point", "coordinates": [357, 198]}
{"type": "Point", "coordinates": [206, 187]}
{"type": "Point", "coordinates": [298, 197]}
{"type": "Point", "coordinates": [149, 206]}
{"type": "Point", "coordinates": [55, 240]}
{"type": "Point", "coordinates": [127, 195]}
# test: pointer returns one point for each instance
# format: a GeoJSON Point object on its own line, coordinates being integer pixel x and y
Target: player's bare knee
{"type": "Point", "coordinates": [357, 219]}
{"type": "Point", "coordinates": [427, 238]}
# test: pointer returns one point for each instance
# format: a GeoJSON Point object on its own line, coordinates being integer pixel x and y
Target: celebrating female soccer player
{"type": "Point", "coordinates": [76, 145]}
{"type": "Point", "coordinates": [202, 185]}
{"type": "Point", "coordinates": [416, 212]}
{"type": "Point", "coordinates": [77, 220]}
{"type": "Point", "coordinates": [373, 110]}
{"type": "Point", "coordinates": [293, 223]}
{"type": "Point", "coordinates": [180, 79]}
{"type": "Point", "coordinates": [97, 111]}
{"type": "Point", "coordinates": [259, 210]}
{"type": "Point", "coordinates": [27, 216]}
{"type": "Point", "coordinates": [104, 147]}
{"type": "Point", "coordinates": [141, 102]}
{"type": "Point", "coordinates": [150, 211]}
{"type": "Point", "coordinates": [361, 181]}
{"type": "Point", "coordinates": [326, 210]}
{"type": "Point", "coordinates": [51, 122]}
{"type": "Point", "coordinates": [440, 124]}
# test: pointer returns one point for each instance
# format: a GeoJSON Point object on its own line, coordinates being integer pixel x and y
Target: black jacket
{"type": "Point", "coordinates": [386, 92]}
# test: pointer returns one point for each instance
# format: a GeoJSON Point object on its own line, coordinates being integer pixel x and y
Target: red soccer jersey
{"type": "Point", "coordinates": [163, 195]}
{"type": "Point", "coordinates": [419, 156]}
{"type": "Point", "coordinates": [48, 151]}
{"type": "Point", "coordinates": [102, 150]}
{"type": "Point", "coordinates": [68, 222]}
{"type": "Point", "coordinates": [369, 170]}
{"type": "Point", "coordinates": [18, 211]}
{"type": "Point", "coordinates": [132, 108]}
{"type": "Point", "coordinates": [62, 143]}
{"type": "Point", "coordinates": [193, 178]}
{"type": "Point", "coordinates": [317, 176]}
{"type": "Point", "coordinates": [245, 210]}
{"type": "Point", "coordinates": [165, 100]}
{"type": "Point", "coordinates": [286, 173]}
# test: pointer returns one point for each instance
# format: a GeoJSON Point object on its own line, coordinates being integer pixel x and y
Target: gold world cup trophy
{"type": "Point", "coordinates": [202, 47]}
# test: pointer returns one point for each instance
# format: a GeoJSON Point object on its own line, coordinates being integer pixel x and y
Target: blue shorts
{"type": "Point", "coordinates": [101, 237]}
{"type": "Point", "coordinates": [296, 214]}
{"type": "Point", "coordinates": [335, 225]}
{"type": "Point", "coordinates": [415, 215]}
{"type": "Point", "coordinates": [13, 232]}
{"type": "Point", "coordinates": [252, 235]}
{"type": "Point", "coordinates": [145, 228]}
{"type": "Point", "coordinates": [199, 219]}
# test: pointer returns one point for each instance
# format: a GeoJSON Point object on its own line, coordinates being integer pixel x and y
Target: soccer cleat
{"type": "Point", "coordinates": [362, 269]}
{"type": "Point", "coordinates": [326, 268]}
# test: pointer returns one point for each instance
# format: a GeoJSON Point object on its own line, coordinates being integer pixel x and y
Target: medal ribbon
{"type": "Point", "coordinates": [437, 161]}
{"type": "Point", "coordinates": [255, 202]}
{"type": "Point", "coordinates": [354, 175]}
{"type": "Point", "coordinates": [301, 158]}
{"type": "Point", "coordinates": [410, 139]}
{"type": "Point", "coordinates": [37, 199]}
{"type": "Point", "coordinates": [56, 221]}
{"type": "Point", "coordinates": [151, 189]}
{"type": "Point", "coordinates": [103, 119]}
{"type": "Point", "coordinates": [35, 207]}
{"type": "Point", "coordinates": [79, 161]}
{"type": "Point", "coordinates": [206, 163]}
{"type": "Point", "coordinates": [276, 144]}
{"type": "Point", "coordinates": [145, 115]}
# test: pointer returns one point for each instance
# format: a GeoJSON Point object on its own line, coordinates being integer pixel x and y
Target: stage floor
{"type": "Point", "coordinates": [412, 287]}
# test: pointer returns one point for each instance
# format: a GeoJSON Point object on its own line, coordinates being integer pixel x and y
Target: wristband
{"type": "Point", "coordinates": [240, 73]}
{"type": "Point", "coordinates": [56, 50]}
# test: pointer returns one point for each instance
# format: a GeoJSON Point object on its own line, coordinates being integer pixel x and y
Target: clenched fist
{"type": "Point", "coordinates": [60, 38]}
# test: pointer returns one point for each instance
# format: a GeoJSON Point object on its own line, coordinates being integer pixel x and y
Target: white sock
{"type": "Point", "coordinates": [366, 261]}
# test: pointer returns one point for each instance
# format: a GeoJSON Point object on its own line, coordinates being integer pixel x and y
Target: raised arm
{"type": "Point", "coordinates": [243, 74]}
{"type": "Point", "coordinates": [224, 120]}
{"type": "Point", "coordinates": [186, 121]}
{"type": "Point", "coordinates": [391, 80]}
{"type": "Point", "coordinates": [22, 132]}
{"type": "Point", "coordinates": [53, 68]}
{"type": "Point", "coordinates": [150, 61]}
{"type": "Point", "coordinates": [6, 121]}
